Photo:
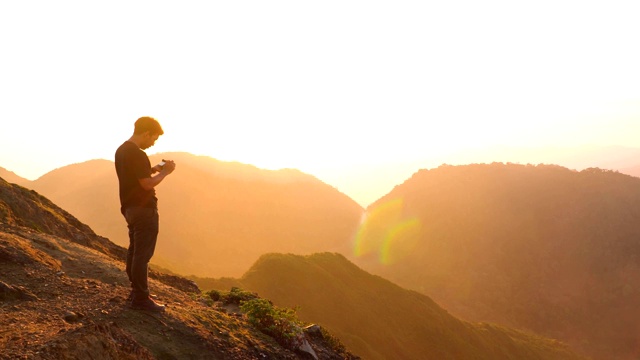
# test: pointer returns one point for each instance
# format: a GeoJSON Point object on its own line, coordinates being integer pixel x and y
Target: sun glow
{"type": "Point", "coordinates": [385, 89]}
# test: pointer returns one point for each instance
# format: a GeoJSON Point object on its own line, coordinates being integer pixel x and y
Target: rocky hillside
{"type": "Point", "coordinates": [542, 248]}
{"type": "Point", "coordinates": [63, 295]}
{"type": "Point", "coordinates": [378, 319]}
{"type": "Point", "coordinates": [20, 207]}
{"type": "Point", "coordinates": [217, 217]}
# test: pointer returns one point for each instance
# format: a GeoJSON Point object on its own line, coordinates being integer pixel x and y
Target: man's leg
{"type": "Point", "coordinates": [130, 251]}
{"type": "Point", "coordinates": [144, 222]}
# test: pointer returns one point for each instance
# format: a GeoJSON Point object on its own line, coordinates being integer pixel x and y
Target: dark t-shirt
{"type": "Point", "coordinates": [132, 164]}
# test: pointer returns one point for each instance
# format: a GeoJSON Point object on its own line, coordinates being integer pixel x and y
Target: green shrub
{"type": "Point", "coordinates": [279, 323]}
{"type": "Point", "coordinates": [234, 296]}
{"type": "Point", "coordinates": [215, 295]}
{"type": "Point", "coordinates": [237, 296]}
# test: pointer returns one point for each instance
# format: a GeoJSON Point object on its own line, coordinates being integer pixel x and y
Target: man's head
{"type": "Point", "coordinates": [147, 130]}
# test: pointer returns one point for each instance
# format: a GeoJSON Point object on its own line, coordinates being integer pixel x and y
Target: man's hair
{"type": "Point", "coordinates": [147, 123]}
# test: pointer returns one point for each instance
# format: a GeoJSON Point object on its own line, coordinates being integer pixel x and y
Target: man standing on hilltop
{"type": "Point", "coordinates": [139, 205]}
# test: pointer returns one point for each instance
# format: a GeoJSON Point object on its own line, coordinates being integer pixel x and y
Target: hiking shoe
{"type": "Point", "coordinates": [130, 298]}
{"type": "Point", "coordinates": [147, 304]}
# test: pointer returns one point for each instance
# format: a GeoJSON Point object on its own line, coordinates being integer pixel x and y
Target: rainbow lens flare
{"type": "Point", "coordinates": [387, 232]}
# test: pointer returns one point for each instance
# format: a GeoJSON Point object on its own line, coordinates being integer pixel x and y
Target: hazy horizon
{"type": "Point", "coordinates": [369, 185]}
{"type": "Point", "coordinates": [358, 94]}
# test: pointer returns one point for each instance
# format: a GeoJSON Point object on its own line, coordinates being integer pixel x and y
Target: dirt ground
{"type": "Point", "coordinates": [62, 300]}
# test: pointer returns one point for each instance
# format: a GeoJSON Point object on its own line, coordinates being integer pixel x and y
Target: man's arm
{"type": "Point", "coordinates": [153, 181]}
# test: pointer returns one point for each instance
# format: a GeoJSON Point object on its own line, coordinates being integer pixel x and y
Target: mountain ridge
{"type": "Point", "coordinates": [65, 299]}
{"type": "Point", "coordinates": [617, 158]}
{"type": "Point", "coordinates": [12, 177]}
{"type": "Point", "coordinates": [377, 318]}
{"type": "Point", "coordinates": [223, 215]}
{"type": "Point", "coordinates": [532, 219]}
{"type": "Point", "coordinates": [533, 247]}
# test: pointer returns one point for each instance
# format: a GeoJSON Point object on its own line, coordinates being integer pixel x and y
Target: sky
{"type": "Point", "coordinates": [360, 94]}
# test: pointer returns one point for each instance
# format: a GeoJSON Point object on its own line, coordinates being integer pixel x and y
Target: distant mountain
{"type": "Point", "coordinates": [633, 171]}
{"type": "Point", "coordinates": [217, 217]}
{"type": "Point", "coordinates": [11, 177]}
{"type": "Point", "coordinates": [541, 247]}
{"type": "Point", "coordinates": [378, 319]}
{"type": "Point", "coordinates": [87, 191]}
{"type": "Point", "coordinates": [576, 157]}
{"type": "Point", "coordinates": [63, 291]}
{"type": "Point", "coordinates": [610, 158]}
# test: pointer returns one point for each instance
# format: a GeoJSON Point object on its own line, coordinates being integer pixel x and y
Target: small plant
{"type": "Point", "coordinates": [214, 295]}
{"type": "Point", "coordinates": [234, 296]}
{"type": "Point", "coordinates": [279, 323]}
{"type": "Point", "coordinates": [237, 296]}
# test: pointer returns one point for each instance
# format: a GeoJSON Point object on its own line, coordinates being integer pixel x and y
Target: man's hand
{"type": "Point", "coordinates": [159, 167]}
{"type": "Point", "coordinates": [153, 181]}
{"type": "Point", "coordinates": [168, 168]}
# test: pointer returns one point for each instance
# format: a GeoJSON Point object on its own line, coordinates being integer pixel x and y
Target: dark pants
{"type": "Point", "coordinates": [143, 234]}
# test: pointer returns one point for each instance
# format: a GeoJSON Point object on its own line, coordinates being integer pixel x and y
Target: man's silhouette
{"type": "Point", "coordinates": [139, 205]}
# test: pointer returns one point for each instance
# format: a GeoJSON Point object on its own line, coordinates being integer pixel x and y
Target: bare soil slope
{"type": "Point", "coordinates": [63, 295]}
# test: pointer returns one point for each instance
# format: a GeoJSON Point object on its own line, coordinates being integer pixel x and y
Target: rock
{"type": "Point", "coordinates": [306, 348]}
{"type": "Point", "coordinates": [72, 317]}
{"type": "Point", "coordinates": [313, 330]}
{"type": "Point", "coordinates": [9, 292]}
{"type": "Point", "coordinates": [303, 344]}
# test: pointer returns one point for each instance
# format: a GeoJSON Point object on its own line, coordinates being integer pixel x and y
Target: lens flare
{"type": "Point", "coordinates": [387, 233]}
{"type": "Point", "coordinates": [400, 241]}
